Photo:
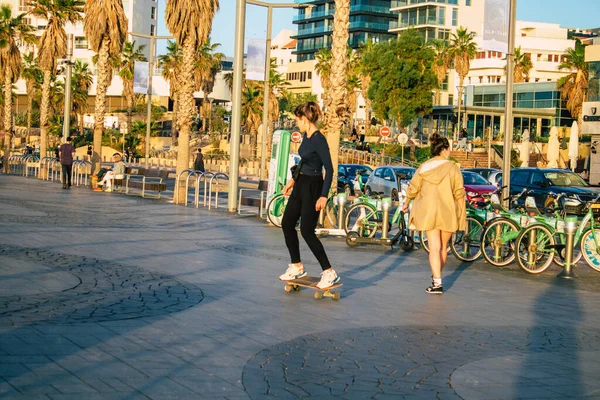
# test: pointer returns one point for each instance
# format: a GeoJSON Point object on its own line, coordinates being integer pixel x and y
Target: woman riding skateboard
{"type": "Point", "coordinates": [439, 207]}
{"type": "Point", "coordinates": [308, 196]}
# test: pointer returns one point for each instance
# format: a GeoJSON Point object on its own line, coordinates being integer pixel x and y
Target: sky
{"type": "Point", "coordinates": [568, 13]}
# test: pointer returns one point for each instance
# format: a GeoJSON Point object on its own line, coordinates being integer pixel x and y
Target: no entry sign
{"type": "Point", "coordinates": [296, 137]}
{"type": "Point", "coordinates": [385, 131]}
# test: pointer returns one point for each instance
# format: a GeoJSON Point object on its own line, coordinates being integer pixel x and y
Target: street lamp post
{"type": "Point", "coordinates": [508, 111]}
{"type": "Point", "coordinates": [68, 88]}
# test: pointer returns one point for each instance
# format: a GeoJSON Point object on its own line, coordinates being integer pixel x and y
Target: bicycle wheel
{"type": "Point", "coordinates": [466, 246]}
{"type": "Point", "coordinates": [535, 248]}
{"type": "Point", "coordinates": [276, 208]}
{"type": "Point", "coordinates": [589, 249]}
{"type": "Point", "coordinates": [497, 241]}
{"type": "Point", "coordinates": [362, 219]}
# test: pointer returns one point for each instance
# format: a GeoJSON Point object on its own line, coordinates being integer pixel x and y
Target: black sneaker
{"type": "Point", "coordinates": [433, 289]}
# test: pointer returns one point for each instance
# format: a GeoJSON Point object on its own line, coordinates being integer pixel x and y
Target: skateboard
{"type": "Point", "coordinates": [311, 283]}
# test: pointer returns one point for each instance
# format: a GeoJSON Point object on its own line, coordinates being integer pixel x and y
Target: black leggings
{"type": "Point", "coordinates": [301, 204]}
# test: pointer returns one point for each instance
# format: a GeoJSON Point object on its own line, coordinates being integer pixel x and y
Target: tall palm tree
{"type": "Point", "coordinates": [365, 79]}
{"type": "Point", "coordinates": [12, 30]}
{"type": "Point", "coordinates": [462, 50]}
{"type": "Point", "coordinates": [323, 68]}
{"type": "Point", "coordinates": [170, 62]}
{"type": "Point", "coordinates": [252, 109]}
{"type": "Point", "coordinates": [190, 22]}
{"type": "Point", "coordinates": [522, 67]}
{"type": "Point", "coordinates": [81, 82]}
{"type": "Point", "coordinates": [105, 26]}
{"type": "Point", "coordinates": [336, 110]}
{"type": "Point", "coordinates": [277, 85]}
{"type": "Point", "coordinates": [130, 54]}
{"type": "Point", "coordinates": [441, 64]}
{"type": "Point", "coordinates": [352, 87]}
{"type": "Point", "coordinates": [52, 46]}
{"type": "Point", "coordinates": [208, 64]}
{"type": "Point", "coordinates": [574, 87]}
{"type": "Point", "coordinates": [33, 75]}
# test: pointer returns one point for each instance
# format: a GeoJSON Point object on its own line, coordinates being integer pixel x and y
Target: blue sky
{"type": "Point", "coordinates": [573, 13]}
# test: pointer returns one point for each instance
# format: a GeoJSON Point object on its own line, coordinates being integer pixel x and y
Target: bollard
{"type": "Point", "coordinates": [386, 205]}
{"type": "Point", "coordinates": [570, 228]}
{"type": "Point", "coordinates": [341, 202]}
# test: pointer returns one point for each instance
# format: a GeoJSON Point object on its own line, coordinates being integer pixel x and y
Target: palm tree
{"type": "Point", "coordinates": [462, 50]}
{"type": "Point", "coordinates": [126, 64]}
{"type": "Point", "coordinates": [323, 68]}
{"type": "Point", "coordinates": [12, 30]}
{"type": "Point", "coordinates": [208, 64]}
{"type": "Point", "coordinates": [336, 110]}
{"type": "Point", "coordinates": [441, 64]}
{"type": "Point", "coordinates": [574, 87]}
{"type": "Point", "coordinates": [81, 82]}
{"type": "Point", "coordinates": [33, 75]}
{"type": "Point", "coordinates": [365, 79]}
{"type": "Point", "coordinates": [105, 26]}
{"type": "Point", "coordinates": [252, 109]}
{"type": "Point", "coordinates": [190, 22]}
{"type": "Point", "coordinates": [171, 67]}
{"type": "Point", "coordinates": [522, 66]}
{"type": "Point", "coordinates": [52, 46]}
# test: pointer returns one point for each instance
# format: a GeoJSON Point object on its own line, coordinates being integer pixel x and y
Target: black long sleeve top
{"type": "Point", "coordinates": [314, 151]}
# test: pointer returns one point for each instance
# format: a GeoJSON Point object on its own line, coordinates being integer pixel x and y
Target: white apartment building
{"type": "Point", "coordinates": [282, 46]}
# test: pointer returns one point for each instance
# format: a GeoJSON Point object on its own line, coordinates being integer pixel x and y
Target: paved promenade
{"type": "Point", "coordinates": [107, 296]}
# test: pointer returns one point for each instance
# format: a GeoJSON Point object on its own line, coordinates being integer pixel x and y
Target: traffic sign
{"type": "Point", "coordinates": [296, 137]}
{"type": "Point", "coordinates": [385, 131]}
{"type": "Point", "coordinates": [403, 138]}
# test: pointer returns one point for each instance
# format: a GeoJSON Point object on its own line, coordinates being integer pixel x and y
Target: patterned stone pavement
{"type": "Point", "coordinates": [106, 296]}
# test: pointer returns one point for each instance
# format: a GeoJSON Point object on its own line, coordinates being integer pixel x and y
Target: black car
{"type": "Point", "coordinates": [347, 179]}
{"type": "Point", "coordinates": [542, 182]}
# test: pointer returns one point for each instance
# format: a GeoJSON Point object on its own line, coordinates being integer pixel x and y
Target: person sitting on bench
{"type": "Point", "coordinates": [116, 172]}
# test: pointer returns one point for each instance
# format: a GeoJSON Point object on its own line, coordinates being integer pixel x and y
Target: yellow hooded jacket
{"type": "Point", "coordinates": [439, 197]}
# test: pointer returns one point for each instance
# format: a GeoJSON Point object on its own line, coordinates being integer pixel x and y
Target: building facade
{"type": "Point", "coordinates": [591, 109]}
{"type": "Point", "coordinates": [369, 21]}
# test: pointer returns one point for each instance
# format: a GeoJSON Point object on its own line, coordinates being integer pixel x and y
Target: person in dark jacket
{"type": "Point", "coordinates": [199, 161]}
{"type": "Point", "coordinates": [308, 196]}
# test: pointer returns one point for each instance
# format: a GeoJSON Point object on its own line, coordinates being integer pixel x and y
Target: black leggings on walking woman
{"type": "Point", "coordinates": [301, 205]}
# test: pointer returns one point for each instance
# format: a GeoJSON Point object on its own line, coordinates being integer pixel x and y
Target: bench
{"type": "Point", "coordinates": [260, 203]}
{"type": "Point", "coordinates": [120, 179]}
{"type": "Point", "coordinates": [147, 179]}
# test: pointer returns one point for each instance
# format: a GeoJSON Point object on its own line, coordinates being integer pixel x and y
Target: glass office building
{"type": "Point", "coordinates": [369, 21]}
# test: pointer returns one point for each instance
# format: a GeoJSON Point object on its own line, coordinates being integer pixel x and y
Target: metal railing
{"type": "Point", "coordinates": [214, 180]}
{"type": "Point", "coordinates": [80, 172]}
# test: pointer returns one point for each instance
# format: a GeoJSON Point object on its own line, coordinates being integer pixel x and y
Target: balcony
{"type": "Point", "coordinates": [416, 22]}
{"type": "Point", "coordinates": [368, 8]}
{"type": "Point", "coordinates": [399, 4]}
{"type": "Point", "coordinates": [312, 31]}
{"type": "Point", "coordinates": [307, 16]}
{"type": "Point", "coordinates": [369, 25]}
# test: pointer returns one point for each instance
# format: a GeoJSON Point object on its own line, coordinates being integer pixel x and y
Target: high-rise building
{"type": "Point", "coordinates": [369, 21]}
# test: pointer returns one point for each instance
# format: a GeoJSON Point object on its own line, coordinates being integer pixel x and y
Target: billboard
{"type": "Point", "coordinates": [255, 59]}
{"type": "Point", "coordinates": [141, 71]}
{"type": "Point", "coordinates": [496, 19]}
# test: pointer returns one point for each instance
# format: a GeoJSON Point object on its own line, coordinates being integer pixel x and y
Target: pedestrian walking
{"type": "Point", "coordinates": [66, 151]}
{"type": "Point", "coordinates": [308, 196]}
{"type": "Point", "coordinates": [439, 207]}
{"type": "Point", "coordinates": [199, 161]}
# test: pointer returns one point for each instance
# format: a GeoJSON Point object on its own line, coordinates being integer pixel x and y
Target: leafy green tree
{"type": "Point", "coordinates": [289, 101]}
{"type": "Point", "coordinates": [402, 78]}
{"type": "Point", "coordinates": [574, 87]}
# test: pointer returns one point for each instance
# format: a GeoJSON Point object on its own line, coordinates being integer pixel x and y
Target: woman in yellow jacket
{"type": "Point", "coordinates": [439, 207]}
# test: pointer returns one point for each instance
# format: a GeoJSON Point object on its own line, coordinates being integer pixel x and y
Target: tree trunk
{"type": "Point", "coordinates": [175, 116]}
{"type": "Point", "coordinates": [7, 116]}
{"type": "Point", "coordinates": [336, 110]}
{"type": "Point", "coordinates": [29, 109]}
{"type": "Point", "coordinates": [187, 110]}
{"type": "Point", "coordinates": [44, 110]}
{"type": "Point", "coordinates": [129, 98]}
{"type": "Point", "coordinates": [80, 123]}
{"type": "Point", "coordinates": [100, 103]}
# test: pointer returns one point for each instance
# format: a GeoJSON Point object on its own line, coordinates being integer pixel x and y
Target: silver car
{"type": "Point", "coordinates": [388, 181]}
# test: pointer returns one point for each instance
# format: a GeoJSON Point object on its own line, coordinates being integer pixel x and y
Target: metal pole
{"type": "Point", "coordinates": [68, 88]}
{"type": "Point", "coordinates": [508, 110]}
{"type": "Point", "coordinates": [149, 110]}
{"type": "Point", "coordinates": [459, 128]}
{"type": "Point", "coordinates": [236, 112]}
{"type": "Point", "coordinates": [265, 120]}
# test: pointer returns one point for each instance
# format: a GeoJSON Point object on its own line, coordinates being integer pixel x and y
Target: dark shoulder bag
{"type": "Point", "coordinates": [296, 170]}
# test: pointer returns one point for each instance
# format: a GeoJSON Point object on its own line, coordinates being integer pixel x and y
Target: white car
{"type": "Point", "coordinates": [389, 181]}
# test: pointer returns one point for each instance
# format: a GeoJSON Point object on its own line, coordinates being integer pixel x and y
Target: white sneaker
{"type": "Point", "coordinates": [293, 272]}
{"type": "Point", "coordinates": [328, 279]}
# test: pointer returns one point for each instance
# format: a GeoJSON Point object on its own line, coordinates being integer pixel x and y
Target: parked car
{"type": "Point", "coordinates": [542, 182]}
{"type": "Point", "coordinates": [352, 177]}
{"type": "Point", "coordinates": [485, 172]}
{"type": "Point", "coordinates": [388, 180]}
{"type": "Point", "coordinates": [477, 187]}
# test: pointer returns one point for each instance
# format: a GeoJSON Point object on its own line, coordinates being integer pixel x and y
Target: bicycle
{"type": "Point", "coordinates": [466, 245]}
{"type": "Point", "coordinates": [540, 243]}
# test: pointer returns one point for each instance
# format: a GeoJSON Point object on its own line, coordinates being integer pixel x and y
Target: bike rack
{"type": "Point", "coordinates": [34, 161]}
{"type": "Point", "coordinates": [204, 177]}
{"type": "Point", "coordinates": [201, 175]}
{"type": "Point", "coordinates": [44, 166]}
{"type": "Point", "coordinates": [187, 184]}
{"type": "Point", "coordinates": [215, 178]}
{"type": "Point", "coordinates": [80, 172]}
{"type": "Point", "coordinates": [178, 182]}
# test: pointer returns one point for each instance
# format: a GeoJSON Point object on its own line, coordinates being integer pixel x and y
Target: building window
{"type": "Point", "coordinates": [451, 100]}
{"type": "Point", "coordinates": [152, 30]}
{"type": "Point", "coordinates": [153, 12]}
{"type": "Point", "coordinates": [468, 3]}
{"type": "Point", "coordinates": [455, 17]}
{"type": "Point", "coordinates": [309, 74]}
{"type": "Point", "coordinates": [81, 42]}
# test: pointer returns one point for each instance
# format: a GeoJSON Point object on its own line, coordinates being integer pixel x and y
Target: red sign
{"type": "Point", "coordinates": [296, 137]}
{"type": "Point", "coordinates": [385, 131]}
